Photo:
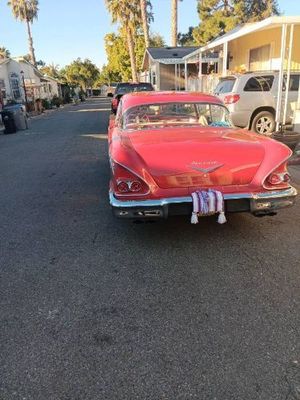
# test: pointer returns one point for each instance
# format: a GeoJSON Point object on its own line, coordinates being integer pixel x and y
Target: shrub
{"type": "Point", "coordinates": [46, 104]}
{"type": "Point", "coordinates": [67, 98]}
{"type": "Point", "coordinates": [57, 101]}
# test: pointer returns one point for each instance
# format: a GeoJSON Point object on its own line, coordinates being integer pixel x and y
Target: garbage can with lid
{"type": "Point", "coordinates": [8, 121]}
{"type": "Point", "coordinates": [19, 115]}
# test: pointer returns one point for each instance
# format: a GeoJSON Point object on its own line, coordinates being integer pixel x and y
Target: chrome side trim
{"type": "Point", "coordinates": [276, 194]}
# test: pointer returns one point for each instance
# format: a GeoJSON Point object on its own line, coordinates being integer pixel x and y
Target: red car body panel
{"type": "Point", "coordinates": [167, 158]}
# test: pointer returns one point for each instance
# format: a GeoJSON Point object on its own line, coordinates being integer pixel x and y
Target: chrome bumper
{"type": "Point", "coordinates": [265, 203]}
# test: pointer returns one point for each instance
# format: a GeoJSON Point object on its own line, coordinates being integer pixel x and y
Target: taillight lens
{"type": "Point", "coordinates": [123, 187]}
{"type": "Point", "coordinates": [279, 178]}
{"type": "Point", "coordinates": [135, 186]}
{"type": "Point", "coordinates": [231, 98]}
{"type": "Point", "coordinates": [126, 182]}
{"type": "Point", "coordinates": [115, 103]}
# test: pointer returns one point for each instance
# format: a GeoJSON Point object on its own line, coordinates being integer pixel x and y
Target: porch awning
{"type": "Point", "coordinates": [245, 29]}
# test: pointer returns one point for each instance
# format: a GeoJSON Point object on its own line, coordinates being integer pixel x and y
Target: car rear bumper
{"type": "Point", "coordinates": [259, 204]}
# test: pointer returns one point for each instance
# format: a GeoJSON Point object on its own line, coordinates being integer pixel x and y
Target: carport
{"type": "Point", "coordinates": [266, 45]}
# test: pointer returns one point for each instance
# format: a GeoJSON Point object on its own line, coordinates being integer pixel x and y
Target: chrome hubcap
{"type": "Point", "coordinates": [264, 126]}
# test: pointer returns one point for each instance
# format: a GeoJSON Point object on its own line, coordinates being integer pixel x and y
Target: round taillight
{"type": "Point", "coordinates": [278, 178]}
{"type": "Point", "coordinates": [274, 179]}
{"type": "Point", "coordinates": [135, 186]}
{"type": "Point", "coordinates": [123, 187]}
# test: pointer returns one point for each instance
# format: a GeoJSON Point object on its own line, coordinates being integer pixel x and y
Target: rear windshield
{"type": "Point", "coordinates": [123, 88]}
{"type": "Point", "coordinates": [133, 87]}
{"type": "Point", "coordinates": [176, 114]}
{"type": "Point", "coordinates": [225, 86]}
{"type": "Point", "coordinates": [143, 87]}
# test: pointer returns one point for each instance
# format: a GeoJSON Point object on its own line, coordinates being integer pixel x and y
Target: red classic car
{"type": "Point", "coordinates": [167, 149]}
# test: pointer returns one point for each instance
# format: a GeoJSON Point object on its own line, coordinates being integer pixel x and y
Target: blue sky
{"type": "Point", "coordinates": [72, 29]}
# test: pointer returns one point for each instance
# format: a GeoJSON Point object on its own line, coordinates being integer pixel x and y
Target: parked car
{"type": "Point", "coordinates": [123, 88]}
{"type": "Point", "coordinates": [251, 99]}
{"type": "Point", "coordinates": [110, 90]}
{"type": "Point", "coordinates": [164, 146]}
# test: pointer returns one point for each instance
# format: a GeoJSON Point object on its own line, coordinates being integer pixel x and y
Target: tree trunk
{"type": "Point", "coordinates": [131, 54]}
{"type": "Point", "coordinates": [174, 23]}
{"type": "Point", "coordinates": [145, 22]}
{"type": "Point", "coordinates": [31, 49]}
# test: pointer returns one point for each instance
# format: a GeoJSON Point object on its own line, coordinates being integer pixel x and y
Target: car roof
{"type": "Point", "coordinates": [142, 98]}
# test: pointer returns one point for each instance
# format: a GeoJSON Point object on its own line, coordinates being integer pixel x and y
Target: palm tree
{"type": "Point", "coordinates": [127, 13]}
{"type": "Point", "coordinates": [51, 70]}
{"type": "Point", "coordinates": [144, 14]}
{"type": "Point", "coordinates": [174, 23]}
{"type": "Point", "coordinates": [26, 11]}
{"type": "Point", "coordinates": [4, 53]}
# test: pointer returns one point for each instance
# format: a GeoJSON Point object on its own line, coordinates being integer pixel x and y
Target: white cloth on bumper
{"type": "Point", "coordinates": [208, 202]}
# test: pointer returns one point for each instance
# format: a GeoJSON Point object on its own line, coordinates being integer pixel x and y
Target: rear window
{"type": "Point", "coordinates": [259, 84]}
{"type": "Point", "coordinates": [225, 86]}
{"type": "Point", "coordinates": [143, 87]}
{"type": "Point", "coordinates": [124, 88]}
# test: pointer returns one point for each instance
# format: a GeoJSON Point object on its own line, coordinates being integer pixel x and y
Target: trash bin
{"type": "Point", "coordinates": [8, 121]}
{"type": "Point", "coordinates": [19, 115]}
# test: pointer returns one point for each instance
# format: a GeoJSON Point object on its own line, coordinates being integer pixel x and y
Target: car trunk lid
{"type": "Point", "coordinates": [198, 157]}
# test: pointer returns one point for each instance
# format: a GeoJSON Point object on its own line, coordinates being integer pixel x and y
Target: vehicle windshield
{"type": "Point", "coordinates": [133, 87]}
{"type": "Point", "coordinates": [176, 114]}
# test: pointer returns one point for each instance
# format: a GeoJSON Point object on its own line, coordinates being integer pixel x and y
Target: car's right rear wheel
{"type": "Point", "coordinates": [263, 123]}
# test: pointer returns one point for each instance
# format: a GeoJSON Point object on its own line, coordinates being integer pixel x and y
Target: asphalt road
{"type": "Point", "coordinates": [95, 308]}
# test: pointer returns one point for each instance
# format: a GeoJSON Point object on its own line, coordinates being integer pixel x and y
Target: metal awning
{"type": "Point", "coordinates": [243, 30]}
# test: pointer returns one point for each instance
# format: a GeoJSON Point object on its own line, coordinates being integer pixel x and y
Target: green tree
{"type": "Point", "coordinates": [40, 63]}
{"type": "Point", "coordinates": [4, 52]}
{"type": "Point", "coordinates": [156, 40]}
{"type": "Point", "coordinates": [128, 15]}
{"type": "Point", "coordinates": [118, 58]}
{"type": "Point", "coordinates": [187, 39]}
{"type": "Point", "coordinates": [26, 11]}
{"type": "Point", "coordinates": [257, 10]}
{"type": "Point", "coordinates": [81, 73]}
{"type": "Point", "coordinates": [117, 55]}
{"type": "Point", "coordinates": [51, 70]}
{"type": "Point", "coordinates": [107, 76]}
{"type": "Point", "coordinates": [220, 16]}
{"type": "Point", "coordinates": [217, 17]}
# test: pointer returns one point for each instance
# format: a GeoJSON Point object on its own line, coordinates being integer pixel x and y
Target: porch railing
{"type": "Point", "coordinates": [205, 84]}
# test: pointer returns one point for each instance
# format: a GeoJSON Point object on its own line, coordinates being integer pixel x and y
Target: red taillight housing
{"type": "Point", "coordinates": [231, 98]}
{"type": "Point", "coordinates": [115, 103]}
{"type": "Point", "coordinates": [278, 179]}
{"type": "Point", "coordinates": [126, 183]}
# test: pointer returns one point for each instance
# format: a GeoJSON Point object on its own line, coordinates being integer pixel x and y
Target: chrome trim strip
{"type": "Point", "coordinates": [276, 194]}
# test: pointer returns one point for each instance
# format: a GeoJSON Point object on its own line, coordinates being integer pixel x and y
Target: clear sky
{"type": "Point", "coordinates": [67, 29]}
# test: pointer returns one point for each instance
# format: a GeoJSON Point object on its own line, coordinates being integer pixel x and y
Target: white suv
{"type": "Point", "coordinates": [251, 99]}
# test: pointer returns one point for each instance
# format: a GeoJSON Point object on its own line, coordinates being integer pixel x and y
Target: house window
{"type": "Point", "coordinates": [15, 86]}
{"type": "Point", "coordinates": [153, 78]}
{"type": "Point", "coordinates": [259, 58]}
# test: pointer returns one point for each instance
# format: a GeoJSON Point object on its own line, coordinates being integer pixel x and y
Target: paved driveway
{"type": "Point", "coordinates": [95, 308]}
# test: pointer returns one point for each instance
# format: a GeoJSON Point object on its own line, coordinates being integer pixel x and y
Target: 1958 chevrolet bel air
{"type": "Point", "coordinates": [164, 146]}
